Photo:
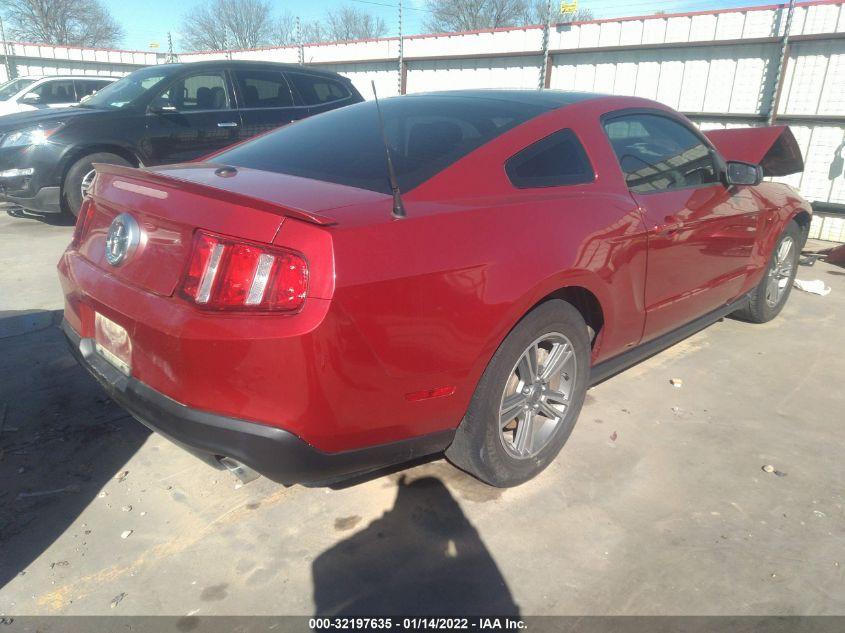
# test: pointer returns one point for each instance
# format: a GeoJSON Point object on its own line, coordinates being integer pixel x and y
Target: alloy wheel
{"type": "Point", "coordinates": [780, 271]}
{"type": "Point", "coordinates": [87, 180]}
{"type": "Point", "coordinates": [537, 395]}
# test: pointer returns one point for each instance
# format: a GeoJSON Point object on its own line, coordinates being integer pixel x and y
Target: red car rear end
{"type": "Point", "coordinates": [269, 308]}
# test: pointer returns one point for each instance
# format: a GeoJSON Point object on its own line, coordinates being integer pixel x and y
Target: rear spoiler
{"type": "Point", "coordinates": [774, 148]}
{"type": "Point", "coordinates": [156, 178]}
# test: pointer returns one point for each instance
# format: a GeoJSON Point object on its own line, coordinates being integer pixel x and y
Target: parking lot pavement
{"type": "Point", "coordinates": [658, 504]}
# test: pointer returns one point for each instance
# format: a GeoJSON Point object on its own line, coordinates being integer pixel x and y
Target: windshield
{"type": "Point", "coordinates": [124, 91]}
{"type": "Point", "coordinates": [426, 134]}
{"type": "Point", "coordinates": [13, 87]}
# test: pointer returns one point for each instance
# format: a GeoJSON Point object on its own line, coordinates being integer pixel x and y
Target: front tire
{"type": "Point", "coordinates": [81, 174]}
{"type": "Point", "coordinates": [528, 399]}
{"type": "Point", "coordinates": [768, 298]}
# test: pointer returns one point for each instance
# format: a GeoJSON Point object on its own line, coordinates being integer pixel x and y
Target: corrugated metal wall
{"type": "Point", "coordinates": [718, 67]}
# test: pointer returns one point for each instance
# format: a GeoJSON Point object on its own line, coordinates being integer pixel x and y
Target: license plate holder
{"type": "Point", "coordinates": [112, 342]}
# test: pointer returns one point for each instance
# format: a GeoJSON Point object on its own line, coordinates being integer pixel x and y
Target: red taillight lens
{"type": "Point", "coordinates": [86, 211]}
{"type": "Point", "coordinates": [227, 274]}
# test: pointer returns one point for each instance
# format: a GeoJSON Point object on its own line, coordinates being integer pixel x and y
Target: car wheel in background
{"type": "Point", "coordinates": [81, 174]}
{"type": "Point", "coordinates": [770, 295]}
{"type": "Point", "coordinates": [528, 399]}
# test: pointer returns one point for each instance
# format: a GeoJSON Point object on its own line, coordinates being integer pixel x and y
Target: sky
{"type": "Point", "coordinates": [148, 21]}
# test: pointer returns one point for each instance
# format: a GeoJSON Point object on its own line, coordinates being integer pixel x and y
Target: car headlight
{"type": "Point", "coordinates": [35, 135]}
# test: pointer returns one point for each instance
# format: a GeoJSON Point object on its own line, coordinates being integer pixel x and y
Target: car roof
{"type": "Point", "coordinates": [543, 99]}
{"type": "Point", "coordinates": [246, 63]}
{"type": "Point", "coordinates": [42, 77]}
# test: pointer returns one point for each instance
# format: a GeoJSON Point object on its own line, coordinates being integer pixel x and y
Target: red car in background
{"type": "Point", "coordinates": [280, 306]}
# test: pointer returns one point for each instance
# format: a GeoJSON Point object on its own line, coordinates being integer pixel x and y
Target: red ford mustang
{"type": "Point", "coordinates": [281, 306]}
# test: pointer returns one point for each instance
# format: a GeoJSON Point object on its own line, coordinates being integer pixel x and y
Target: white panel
{"type": "Point", "coordinates": [746, 93]}
{"type": "Point", "coordinates": [678, 29]}
{"type": "Point", "coordinates": [825, 143]}
{"type": "Point", "coordinates": [833, 91]}
{"type": "Point", "coordinates": [720, 79]}
{"type": "Point", "coordinates": [760, 23]}
{"type": "Point", "coordinates": [589, 35]}
{"type": "Point", "coordinates": [729, 25]}
{"type": "Point", "coordinates": [648, 76]}
{"type": "Point", "coordinates": [821, 18]}
{"type": "Point", "coordinates": [703, 27]}
{"type": "Point", "coordinates": [609, 33]}
{"type": "Point", "coordinates": [626, 79]}
{"type": "Point", "coordinates": [671, 80]}
{"type": "Point", "coordinates": [605, 78]}
{"type": "Point", "coordinates": [808, 69]}
{"type": "Point", "coordinates": [694, 85]}
{"type": "Point", "coordinates": [654, 31]}
{"type": "Point", "coordinates": [631, 33]}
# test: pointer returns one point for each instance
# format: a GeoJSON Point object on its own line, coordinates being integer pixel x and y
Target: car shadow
{"type": "Point", "coordinates": [53, 219]}
{"type": "Point", "coordinates": [423, 556]}
{"type": "Point", "coordinates": [61, 437]}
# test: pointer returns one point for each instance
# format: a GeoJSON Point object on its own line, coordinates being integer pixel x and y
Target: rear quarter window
{"type": "Point", "coordinates": [316, 90]}
{"type": "Point", "coordinates": [557, 160]}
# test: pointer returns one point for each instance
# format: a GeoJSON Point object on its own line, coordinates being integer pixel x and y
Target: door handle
{"type": "Point", "coordinates": [227, 124]}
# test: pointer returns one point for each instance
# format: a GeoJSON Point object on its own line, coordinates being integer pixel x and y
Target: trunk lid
{"type": "Point", "coordinates": [170, 203]}
{"type": "Point", "coordinates": [774, 148]}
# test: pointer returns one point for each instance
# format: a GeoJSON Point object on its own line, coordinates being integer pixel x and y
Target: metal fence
{"type": "Point", "coordinates": [721, 68]}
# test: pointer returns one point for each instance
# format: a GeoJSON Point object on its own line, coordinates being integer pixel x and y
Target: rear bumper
{"type": "Point", "coordinates": [271, 451]}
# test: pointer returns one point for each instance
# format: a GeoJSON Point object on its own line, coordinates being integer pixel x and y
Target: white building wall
{"type": "Point", "coordinates": [718, 67]}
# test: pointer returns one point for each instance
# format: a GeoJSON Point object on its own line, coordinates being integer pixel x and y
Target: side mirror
{"type": "Point", "coordinates": [737, 173]}
{"type": "Point", "coordinates": [161, 109]}
{"type": "Point", "coordinates": [31, 98]}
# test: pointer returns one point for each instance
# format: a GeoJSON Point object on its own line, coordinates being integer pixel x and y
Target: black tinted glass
{"type": "Point", "coordinates": [263, 89]}
{"type": "Point", "coordinates": [425, 134]}
{"type": "Point", "coordinates": [316, 90]}
{"type": "Point", "coordinates": [657, 153]}
{"type": "Point", "coordinates": [558, 159]}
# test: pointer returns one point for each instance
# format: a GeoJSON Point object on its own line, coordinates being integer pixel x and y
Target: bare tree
{"type": "Point", "coordinates": [222, 24]}
{"type": "Point", "coordinates": [68, 22]}
{"type": "Point", "coordinates": [535, 13]}
{"type": "Point", "coordinates": [310, 32]}
{"type": "Point", "coordinates": [351, 23]}
{"type": "Point", "coordinates": [471, 15]}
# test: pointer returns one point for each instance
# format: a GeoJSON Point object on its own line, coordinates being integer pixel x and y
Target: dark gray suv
{"type": "Point", "coordinates": [157, 115]}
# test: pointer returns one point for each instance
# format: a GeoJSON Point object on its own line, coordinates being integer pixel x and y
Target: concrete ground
{"type": "Point", "coordinates": [657, 505]}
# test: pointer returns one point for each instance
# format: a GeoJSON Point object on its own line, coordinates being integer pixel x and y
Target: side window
{"type": "Point", "coordinates": [85, 87]}
{"type": "Point", "coordinates": [263, 89]}
{"type": "Point", "coordinates": [559, 159]}
{"type": "Point", "coordinates": [205, 91]}
{"type": "Point", "coordinates": [316, 90]}
{"type": "Point", "coordinates": [657, 153]}
{"type": "Point", "coordinates": [59, 91]}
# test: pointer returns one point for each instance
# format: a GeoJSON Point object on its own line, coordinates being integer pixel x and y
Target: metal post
{"type": "Point", "coordinates": [171, 58]}
{"type": "Point", "coordinates": [401, 54]}
{"type": "Point", "coordinates": [546, 28]}
{"type": "Point", "coordinates": [5, 52]}
{"type": "Point", "coordinates": [300, 50]}
{"type": "Point", "coordinates": [782, 60]}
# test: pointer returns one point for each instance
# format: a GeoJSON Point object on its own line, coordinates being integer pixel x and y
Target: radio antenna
{"type": "Point", "coordinates": [398, 207]}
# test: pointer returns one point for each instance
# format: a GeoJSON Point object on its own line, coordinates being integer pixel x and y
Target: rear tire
{"type": "Point", "coordinates": [494, 442]}
{"type": "Point", "coordinates": [80, 174]}
{"type": "Point", "coordinates": [768, 298]}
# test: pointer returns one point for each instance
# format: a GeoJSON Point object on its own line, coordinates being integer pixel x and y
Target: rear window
{"type": "Point", "coordinates": [344, 146]}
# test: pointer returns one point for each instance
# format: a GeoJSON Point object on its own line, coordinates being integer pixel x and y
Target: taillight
{"type": "Point", "coordinates": [86, 211]}
{"type": "Point", "coordinates": [228, 274]}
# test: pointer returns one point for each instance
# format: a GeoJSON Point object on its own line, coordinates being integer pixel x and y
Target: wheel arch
{"type": "Point", "coordinates": [582, 289]}
{"type": "Point", "coordinates": [80, 152]}
{"type": "Point", "coordinates": [802, 218]}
